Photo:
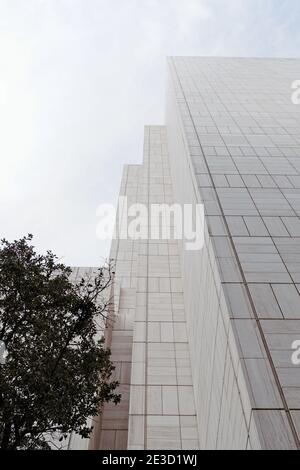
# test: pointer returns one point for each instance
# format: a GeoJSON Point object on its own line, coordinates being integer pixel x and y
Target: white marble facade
{"type": "Point", "coordinates": [202, 340]}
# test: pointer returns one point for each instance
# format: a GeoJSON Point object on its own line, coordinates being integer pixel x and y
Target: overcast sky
{"type": "Point", "coordinates": [78, 81]}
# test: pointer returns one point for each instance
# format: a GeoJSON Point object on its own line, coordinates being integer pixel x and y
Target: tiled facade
{"type": "Point", "coordinates": [148, 339]}
{"type": "Point", "coordinates": [203, 340]}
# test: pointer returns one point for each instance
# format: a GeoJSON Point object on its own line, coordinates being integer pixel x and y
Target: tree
{"type": "Point", "coordinates": [55, 372]}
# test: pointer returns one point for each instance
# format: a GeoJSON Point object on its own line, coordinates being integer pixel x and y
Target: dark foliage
{"type": "Point", "coordinates": [54, 372]}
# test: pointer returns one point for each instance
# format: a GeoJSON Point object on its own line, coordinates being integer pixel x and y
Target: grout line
{"type": "Point", "coordinates": [147, 294]}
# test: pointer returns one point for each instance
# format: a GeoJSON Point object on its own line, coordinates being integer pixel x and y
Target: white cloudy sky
{"type": "Point", "coordinates": [78, 81]}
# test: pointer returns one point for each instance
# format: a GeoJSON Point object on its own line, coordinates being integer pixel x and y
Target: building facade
{"type": "Point", "coordinates": [203, 340]}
